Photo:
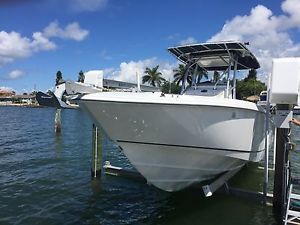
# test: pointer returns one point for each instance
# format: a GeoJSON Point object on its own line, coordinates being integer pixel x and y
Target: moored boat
{"type": "Point", "coordinates": [177, 140]}
{"type": "Point", "coordinates": [55, 99]}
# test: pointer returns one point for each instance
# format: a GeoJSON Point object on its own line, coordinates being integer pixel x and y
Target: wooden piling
{"type": "Point", "coordinates": [96, 152]}
{"type": "Point", "coordinates": [57, 121]}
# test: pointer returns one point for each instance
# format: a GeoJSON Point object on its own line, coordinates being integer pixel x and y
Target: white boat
{"type": "Point", "coordinates": [177, 140]}
{"type": "Point", "coordinates": [93, 83]}
{"type": "Point", "coordinates": [56, 98]}
{"type": "Point", "coordinates": [65, 91]}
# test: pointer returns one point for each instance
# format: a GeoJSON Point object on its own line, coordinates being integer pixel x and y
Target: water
{"type": "Point", "coordinates": [45, 179]}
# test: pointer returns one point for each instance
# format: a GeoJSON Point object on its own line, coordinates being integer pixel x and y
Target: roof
{"type": "Point", "coordinates": [253, 98]}
{"type": "Point", "coordinates": [215, 56]}
{"type": "Point", "coordinates": [24, 96]}
{"type": "Point", "coordinates": [5, 91]}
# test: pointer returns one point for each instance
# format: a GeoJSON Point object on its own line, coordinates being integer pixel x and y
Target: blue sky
{"type": "Point", "coordinates": [122, 37]}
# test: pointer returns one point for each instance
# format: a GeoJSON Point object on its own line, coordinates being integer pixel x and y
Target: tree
{"type": "Point", "coordinates": [59, 79]}
{"type": "Point", "coordinates": [33, 93]}
{"type": "Point", "coordinates": [249, 86]}
{"type": "Point", "coordinates": [170, 87]}
{"type": "Point", "coordinates": [200, 73]}
{"type": "Point", "coordinates": [179, 74]}
{"type": "Point", "coordinates": [153, 77]}
{"type": "Point", "coordinates": [251, 75]}
{"type": "Point", "coordinates": [181, 70]}
{"type": "Point", "coordinates": [80, 77]}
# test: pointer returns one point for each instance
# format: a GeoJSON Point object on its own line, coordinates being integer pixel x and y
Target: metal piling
{"type": "Point", "coordinates": [96, 152]}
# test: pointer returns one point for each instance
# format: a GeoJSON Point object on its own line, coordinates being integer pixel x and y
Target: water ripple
{"type": "Point", "coordinates": [45, 179]}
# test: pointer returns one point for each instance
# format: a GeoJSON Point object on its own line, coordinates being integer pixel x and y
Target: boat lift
{"type": "Point", "coordinates": [284, 91]}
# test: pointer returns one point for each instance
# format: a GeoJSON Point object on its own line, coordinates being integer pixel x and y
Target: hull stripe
{"type": "Point", "coordinates": [188, 146]}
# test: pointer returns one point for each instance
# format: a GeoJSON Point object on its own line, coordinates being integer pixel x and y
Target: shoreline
{"type": "Point", "coordinates": [21, 105]}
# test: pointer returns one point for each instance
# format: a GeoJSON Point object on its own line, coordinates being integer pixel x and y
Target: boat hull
{"type": "Point", "coordinates": [174, 168]}
{"type": "Point", "coordinates": [47, 100]}
{"type": "Point", "coordinates": [52, 101]}
{"type": "Point", "coordinates": [173, 144]}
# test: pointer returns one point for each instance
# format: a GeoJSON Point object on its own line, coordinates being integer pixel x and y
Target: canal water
{"type": "Point", "coordinates": [45, 179]}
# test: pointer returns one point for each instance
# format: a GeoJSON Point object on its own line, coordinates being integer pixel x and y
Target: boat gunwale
{"type": "Point", "coordinates": [173, 104]}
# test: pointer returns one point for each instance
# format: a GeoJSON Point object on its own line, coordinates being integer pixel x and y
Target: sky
{"type": "Point", "coordinates": [123, 37]}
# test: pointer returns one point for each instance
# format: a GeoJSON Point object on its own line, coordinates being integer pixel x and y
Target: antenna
{"type": "Point", "coordinates": [138, 82]}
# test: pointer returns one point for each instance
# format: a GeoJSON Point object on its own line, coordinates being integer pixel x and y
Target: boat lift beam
{"type": "Point", "coordinates": [218, 186]}
{"type": "Point", "coordinates": [121, 172]}
{"type": "Point", "coordinates": [97, 146]}
{"type": "Point", "coordinates": [219, 182]}
{"type": "Point", "coordinates": [207, 189]}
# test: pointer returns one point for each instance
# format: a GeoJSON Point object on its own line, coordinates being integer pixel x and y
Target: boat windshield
{"type": "Point", "coordinates": [207, 89]}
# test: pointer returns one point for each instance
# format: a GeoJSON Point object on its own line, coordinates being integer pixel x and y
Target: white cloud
{"type": "Point", "coordinates": [40, 42]}
{"type": "Point", "coordinates": [12, 46]}
{"type": "Point", "coordinates": [187, 41]}
{"type": "Point", "coordinates": [15, 46]}
{"type": "Point", "coordinates": [88, 5]}
{"type": "Point", "coordinates": [15, 74]}
{"type": "Point", "coordinates": [127, 71]}
{"type": "Point", "coordinates": [71, 31]}
{"type": "Point", "coordinates": [269, 35]}
{"type": "Point", "coordinates": [292, 7]}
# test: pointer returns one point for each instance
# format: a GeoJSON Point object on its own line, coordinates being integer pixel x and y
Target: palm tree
{"type": "Point", "coordinates": [200, 73]}
{"type": "Point", "coordinates": [181, 70]}
{"type": "Point", "coordinates": [80, 77]}
{"type": "Point", "coordinates": [170, 87]}
{"type": "Point", "coordinates": [153, 77]}
{"type": "Point", "coordinates": [179, 74]}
